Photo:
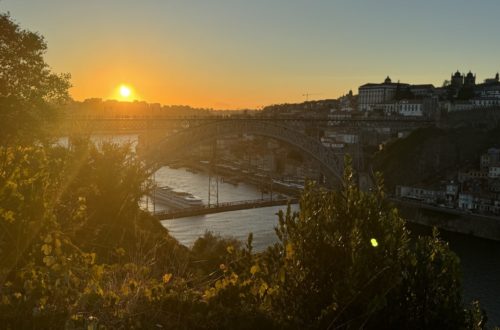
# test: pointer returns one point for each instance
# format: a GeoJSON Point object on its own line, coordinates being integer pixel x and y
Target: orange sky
{"type": "Point", "coordinates": [228, 54]}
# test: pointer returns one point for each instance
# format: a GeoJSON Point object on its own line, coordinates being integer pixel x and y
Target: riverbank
{"type": "Point", "coordinates": [482, 226]}
{"type": "Point", "coordinates": [232, 175]}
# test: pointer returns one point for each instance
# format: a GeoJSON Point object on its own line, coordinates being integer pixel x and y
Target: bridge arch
{"type": "Point", "coordinates": [177, 143]}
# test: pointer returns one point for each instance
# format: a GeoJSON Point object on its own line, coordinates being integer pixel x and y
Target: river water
{"type": "Point", "coordinates": [480, 258]}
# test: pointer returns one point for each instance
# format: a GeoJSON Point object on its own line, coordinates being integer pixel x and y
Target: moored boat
{"type": "Point", "coordinates": [175, 199]}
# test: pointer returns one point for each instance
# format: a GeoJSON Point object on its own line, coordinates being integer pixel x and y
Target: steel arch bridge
{"type": "Point", "coordinates": [188, 137]}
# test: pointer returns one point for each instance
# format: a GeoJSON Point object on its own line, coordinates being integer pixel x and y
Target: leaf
{"type": "Point", "coordinates": [46, 249]}
{"type": "Point", "coordinates": [254, 269]}
{"type": "Point", "coordinates": [233, 279]}
{"type": "Point", "coordinates": [49, 260]}
{"type": "Point", "coordinates": [263, 289]}
{"type": "Point", "coordinates": [166, 278]}
{"type": "Point", "coordinates": [8, 216]}
{"type": "Point", "coordinates": [289, 251]}
{"type": "Point", "coordinates": [282, 275]}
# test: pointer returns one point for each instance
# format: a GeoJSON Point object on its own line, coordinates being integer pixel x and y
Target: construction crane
{"type": "Point", "coordinates": [309, 94]}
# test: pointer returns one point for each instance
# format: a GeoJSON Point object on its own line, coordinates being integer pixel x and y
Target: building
{"type": "Point", "coordinates": [425, 195]}
{"type": "Point", "coordinates": [494, 172]}
{"type": "Point", "coordinates": [371, 95]}
{"type": "Point", "coordinates": [490, 158]}
{"type": "Point", "coordinates": [470, 80]}
{"type": "Point", "coordinates": [414, 108]}
{"type": "Point", "coordinates": [423, 91]}
{"type": "Point", "coordinates": [471, 175]}
{"type": "Point", "coordinates": [457, 80]}
{"type": "Point", "coordinates": [492, 80]}
{"type": "Point", "coordinates": [465, 201]}
{"type": "Point", "coordinates": [347, 102]}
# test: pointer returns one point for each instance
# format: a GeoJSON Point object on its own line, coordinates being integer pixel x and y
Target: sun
{"type": "Point", "coordinates": [125, 91]}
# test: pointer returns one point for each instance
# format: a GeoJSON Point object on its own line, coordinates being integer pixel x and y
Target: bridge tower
{"type": "Point", "coordinates": [213, 177]}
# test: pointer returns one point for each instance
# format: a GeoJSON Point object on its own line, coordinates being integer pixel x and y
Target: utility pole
{"type": "Point", "coordinates": [306, 95]}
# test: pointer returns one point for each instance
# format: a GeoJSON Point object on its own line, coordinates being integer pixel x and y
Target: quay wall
{"type": "Point", "coordinates": [481, 226]}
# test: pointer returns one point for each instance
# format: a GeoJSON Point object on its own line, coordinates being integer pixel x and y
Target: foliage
{"type": "Point", "coordinates": [67, 237]}
{"type": "Point", "coordinates": [210, 251]}
{"type": "Point", "coordinates": [27, 86]}
{"type": "Point", "coordinates": [346, 261]}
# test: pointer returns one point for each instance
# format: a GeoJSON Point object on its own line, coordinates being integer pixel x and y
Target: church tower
{"type": "Point", "coordinates": [457, 80]}
{"type": "Point", "coordinates": [470, 80]}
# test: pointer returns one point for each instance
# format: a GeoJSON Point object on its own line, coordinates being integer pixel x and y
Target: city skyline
{"type": "Point", "coordinates": [228, 55]}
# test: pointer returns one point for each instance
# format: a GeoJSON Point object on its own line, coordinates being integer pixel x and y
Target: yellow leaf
{"type": "Point", "coordinates": [289, 251]}
{"type": "Point", "coordinates": [254, 269]}
{"type": "Point", "coordinates": [98, 271]}
{"type": "Point", "coordinates": [230, 249]}
{"type": "Point", "coordinates": [89, 258]}
{"type": "Point", "coordinates": [282, 276]}
{"type": "Point", "coordinates": [49, 260]}
{"type": "Point", "coordinates": [209, 293]}
{"type": "Point", "coordinates": [148, 294]}
{"type": "Point", "coordinates": [125, 290]}
{"type": "Point", "coordinates": [166, 278]}
{"type": "Point", "coordinates": [5, 300]}
{"type": "Point", "coordinates": [46, 249]}
{"type": "Point", "coordinates": [263, 289]}
{"type": "Point", "coordinates": [120, 251]}
{"type": "Point", "coordinates": [234, 278]}
{"type": "Point", "coordinates": [9, 216]}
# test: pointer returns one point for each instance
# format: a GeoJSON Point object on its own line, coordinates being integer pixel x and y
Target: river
{"type": "Point", "coordinates": [480, 258]}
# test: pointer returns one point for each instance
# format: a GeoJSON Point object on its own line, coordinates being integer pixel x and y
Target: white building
{"type": "Point", "coordinates": [490, 158]}
{"type": "Point", "coordinates": [420, 194]}
{"type": "Point", "coordinates": [475, 103]}
{"type": "Point", "coordinates": [371, 95]}
{"type": "Point", "coordinates": [413, 108]}
{"type": "Point", "coordinates": [494, 172]}
{"type": "Point", "coordinates": [466, 201]}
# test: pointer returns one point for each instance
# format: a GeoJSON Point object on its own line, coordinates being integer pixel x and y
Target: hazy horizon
{"type": "Point", "coordinates": [236, 54]}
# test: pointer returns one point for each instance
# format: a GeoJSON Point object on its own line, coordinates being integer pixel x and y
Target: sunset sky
{"type": "Point", "coordinates": [234, 54]}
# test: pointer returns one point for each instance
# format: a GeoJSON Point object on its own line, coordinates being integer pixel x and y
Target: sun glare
{"type": "Point", "coordinates": [125, 91]}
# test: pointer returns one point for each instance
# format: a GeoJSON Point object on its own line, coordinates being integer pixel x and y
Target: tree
{"type": "Point", "coordinates": [28, 89]}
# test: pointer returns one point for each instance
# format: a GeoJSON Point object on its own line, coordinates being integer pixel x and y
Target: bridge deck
{"type": "Point", "coordinates": [222, 207]}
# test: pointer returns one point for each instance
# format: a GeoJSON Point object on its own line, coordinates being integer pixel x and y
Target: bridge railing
{"type": "Point", "coordinates": [224, 205]}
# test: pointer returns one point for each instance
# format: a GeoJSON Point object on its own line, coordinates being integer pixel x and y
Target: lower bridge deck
{"type": "Point", "coordinates": [222, 207]}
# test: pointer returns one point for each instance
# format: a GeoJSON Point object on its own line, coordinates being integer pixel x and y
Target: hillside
{"type": "Point", "coordinates": [431, 153]}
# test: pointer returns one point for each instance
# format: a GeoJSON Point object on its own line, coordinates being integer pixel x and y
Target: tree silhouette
{"type": "Point", "coordinates": [28, 88]}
